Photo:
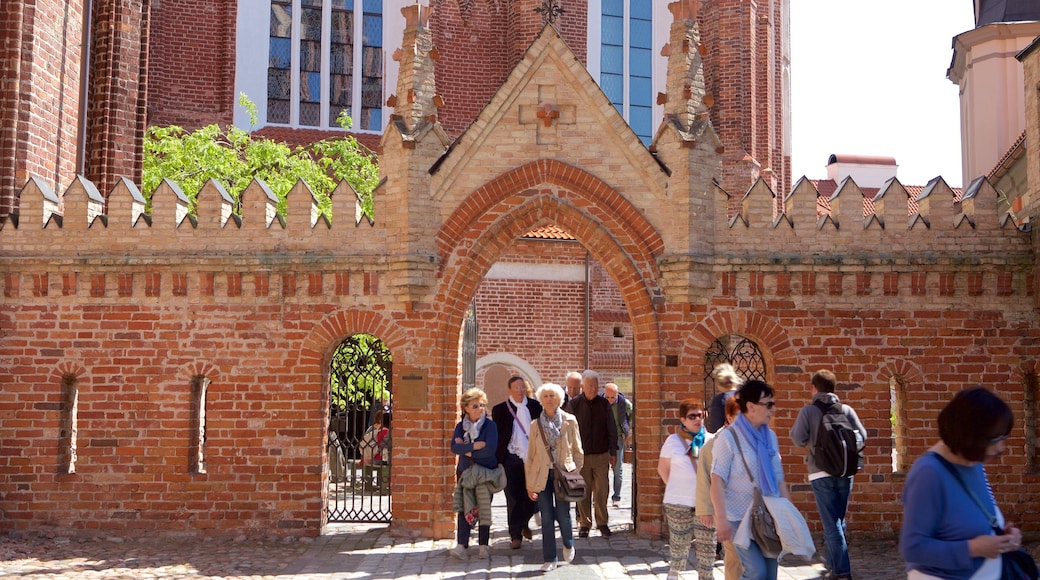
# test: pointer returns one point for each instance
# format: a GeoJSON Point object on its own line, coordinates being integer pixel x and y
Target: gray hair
{"type": "Point", "coordinates": [590, 375]}
{"type": "Point", "coordinates": [549, 387]}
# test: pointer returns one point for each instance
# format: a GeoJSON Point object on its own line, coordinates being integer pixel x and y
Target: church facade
{"type": "Point", "coordinates": [168, 369]}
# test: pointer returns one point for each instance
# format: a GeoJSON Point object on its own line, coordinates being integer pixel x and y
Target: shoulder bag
{"type": "Point", "coordinates": [1016, 564]}
{"type": "Point", "coordinates": [763, 527]}
{"type": "Point", "coordinates": [568, 485]}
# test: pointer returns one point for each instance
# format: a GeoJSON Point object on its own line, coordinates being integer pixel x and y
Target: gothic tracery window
{"type": "Point", "coordinates": [745, 356]}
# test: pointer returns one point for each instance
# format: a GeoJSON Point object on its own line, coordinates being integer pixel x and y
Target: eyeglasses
{"type": "Point", "coordinates": [693, 416]}
{"type": "Point", "coordinates": [768, 405]}
{"type": "Point", "coordinates": [996, 440]}
{"type": "Point", "coordinates": [477, 406]}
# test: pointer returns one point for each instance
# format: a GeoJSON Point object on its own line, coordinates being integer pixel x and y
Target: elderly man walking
{"type": "Point", "coordinates": [513, 418]}
{"type": "Point", "coordinates": [599, 440]}
{"type": "Point", "coordinates": [621, 409]}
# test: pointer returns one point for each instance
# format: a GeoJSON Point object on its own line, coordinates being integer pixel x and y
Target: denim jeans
{"type": "Point", "coordinates": [756, 566]}
{"type": "Point", "coordinates": [832, 500]}
{"type": "Point", "coordinates": [553, 512]}
{"type": "Point", "coordinates": [617, 469]}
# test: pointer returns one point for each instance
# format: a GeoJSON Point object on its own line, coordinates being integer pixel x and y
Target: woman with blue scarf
{"type": "Point", "coordinates": [731, 488]}
{"type": "Point", "coordinates": [677, 466]}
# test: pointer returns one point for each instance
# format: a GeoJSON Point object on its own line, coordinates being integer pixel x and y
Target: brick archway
{"type": "Point", "coordinates": [767, 334]}
{"type": "Point", "coordinates": [625, 248]}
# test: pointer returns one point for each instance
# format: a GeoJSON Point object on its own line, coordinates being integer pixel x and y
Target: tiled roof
{"type": "Point", "coordinates": [1014, 153]}
{"type": "Point", "coordinates": [827, 187]}
{"type": "Point", "coordinates": [549, 232]}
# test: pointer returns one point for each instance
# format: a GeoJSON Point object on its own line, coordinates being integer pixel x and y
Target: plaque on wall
{"type": "Point", "coordinates": [411, 389]}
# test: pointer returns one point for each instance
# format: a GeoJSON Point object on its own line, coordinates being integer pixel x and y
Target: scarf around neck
{"type": "Point", "coordinates": [472, 428]}
{"type": "Point", "coordinates": [764, 451]}
{"type": "Point", "coordinates": [694, 440]}
{"type": "Point", "coordinates": [551, 426]}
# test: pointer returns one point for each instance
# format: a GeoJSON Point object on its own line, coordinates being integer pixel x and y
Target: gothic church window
{"type": "Point", "coordinates": [325, 57]}
{"type": "Point", "coordinates": [623, 60]}
{"type": "Point", "coordinates": [741, 352]}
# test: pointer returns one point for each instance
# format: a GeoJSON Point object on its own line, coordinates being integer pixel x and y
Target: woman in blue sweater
{"type": "Point", "coordinates": [952, 527]}
{"type": "Point", "coordinates": [475, 441]}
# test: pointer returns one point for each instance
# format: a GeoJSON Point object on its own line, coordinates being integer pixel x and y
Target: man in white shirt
{"type": "Point", "coordinates": [513, 418]}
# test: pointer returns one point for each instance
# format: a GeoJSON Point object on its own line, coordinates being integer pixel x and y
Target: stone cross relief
{"type": "Point", "coordinates": [547, 115]}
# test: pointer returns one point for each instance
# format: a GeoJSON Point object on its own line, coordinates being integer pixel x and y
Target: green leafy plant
{"type": "Point", "coordinates": [234, 157]}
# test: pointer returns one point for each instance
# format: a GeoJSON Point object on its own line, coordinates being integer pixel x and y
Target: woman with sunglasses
{"type": "Point", "coordinates": [475, 441]}
{"type": "Point", "coordinates": [952, 527]}
{"type": "Point", "coordinates": [677, 467]}
{"type": "Point", "coordinates": [731, 487]}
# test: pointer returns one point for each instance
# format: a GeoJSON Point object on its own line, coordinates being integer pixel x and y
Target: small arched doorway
{"type": "Point", "coordinates": [359, 440]}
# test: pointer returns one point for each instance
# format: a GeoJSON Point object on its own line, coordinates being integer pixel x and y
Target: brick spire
{"type": "Point", "coordinates": [685, 100]}
{"type": "Point", "coordinates": [416, 100]}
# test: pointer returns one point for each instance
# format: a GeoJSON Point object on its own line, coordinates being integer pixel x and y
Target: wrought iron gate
{"type": "Point", "coordinates": [360, 441]}
{"type": "Point", "coordinates": [742, 353]}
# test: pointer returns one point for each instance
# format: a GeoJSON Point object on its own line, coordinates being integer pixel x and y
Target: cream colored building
{"type": "Point", "coordinates": [991, 81]}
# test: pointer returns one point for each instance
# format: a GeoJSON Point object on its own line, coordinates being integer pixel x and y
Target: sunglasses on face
{"type": "Point", "coordinates": [768, 405]}
{"type": "Point", "coordinates": [694, 416]}
{"type": "Point", "coordinates": [477, 406]}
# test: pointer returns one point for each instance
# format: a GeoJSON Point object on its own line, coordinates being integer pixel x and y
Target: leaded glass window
{"type": "Point", "coordinates": [315, 47]}
{"type": "Point", "coordinates": [626, 61]}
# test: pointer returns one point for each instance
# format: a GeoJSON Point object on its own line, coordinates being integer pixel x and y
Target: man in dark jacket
{"type": "Point", "coordinates": [513, 418]}
{"type": "Point", "coordinates": [599, 440]}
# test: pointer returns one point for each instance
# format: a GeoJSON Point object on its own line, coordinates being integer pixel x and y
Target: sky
{"type": "Point", "coordinates": [869, 78]}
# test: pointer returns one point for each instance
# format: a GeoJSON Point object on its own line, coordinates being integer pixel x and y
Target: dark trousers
{"type": "Point", "coordinates": [519, 507]}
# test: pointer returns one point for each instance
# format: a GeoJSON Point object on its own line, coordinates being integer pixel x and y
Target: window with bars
{"type": "Point", "coordinates": [626, 62]}
{"type": "Point", "coordinates": [315, 49]}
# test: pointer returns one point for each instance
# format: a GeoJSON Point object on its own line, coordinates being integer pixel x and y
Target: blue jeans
{"type": "Point", "coordinates": [756, 566]}
{"type": "Point", "coordinates": [832, 499]}
{"type": "Point", "coordinates": [554, 511]}
{"type": "Point", "coordinates": [617, 469]}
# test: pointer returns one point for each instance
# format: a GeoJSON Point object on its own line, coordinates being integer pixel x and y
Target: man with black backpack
{"type": "Point", "coordinates": [835, 438]}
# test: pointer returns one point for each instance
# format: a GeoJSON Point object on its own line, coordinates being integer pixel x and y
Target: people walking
{"type": "Point", "coordinates": [555, 441]}
{"type": "Point", "coordinates": [727, 381]}
{"type": "Point", "coordinates": [599, 440]}
{"type": "Point", "coordinates": [732, 485]}
{"type": "Point", "coordinates": [831, 491]}
{"type": "Point", "coordinates": [513, 419]}
{"type": "Point", "coordinates": [474, 440]}
{"type": "Point", "coordinates": [621, 408]}
{"type": "Point", "coordinates": [952, 526]}
{"type": "Point", "coordinates": [705, 510]}
{"type": "Point", "coordinates": [677, 466]}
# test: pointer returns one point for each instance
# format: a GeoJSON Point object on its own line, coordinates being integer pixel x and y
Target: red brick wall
{"type": "Point", "coordinates": [191, 69]}
{"type": "Point", "coordinates": [40, 53]}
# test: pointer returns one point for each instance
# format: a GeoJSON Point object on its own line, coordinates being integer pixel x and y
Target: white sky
{"type": "Point", "coordinates": [869, 78]}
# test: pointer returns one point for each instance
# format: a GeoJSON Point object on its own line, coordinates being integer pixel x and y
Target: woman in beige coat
{"type": "Point", "coordinates": [554, 441]}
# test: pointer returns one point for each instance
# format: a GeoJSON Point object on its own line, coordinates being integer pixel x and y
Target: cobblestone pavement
{"type": "Point", "coordinates": [366, 551]}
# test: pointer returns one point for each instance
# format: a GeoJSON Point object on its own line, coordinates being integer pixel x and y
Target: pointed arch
{"type": "Point", "coordinates": [767, 334]}
{"type": "Point", "coordinates": [583, 189]}
{"type": "Point", "coordinates": [472, 250]}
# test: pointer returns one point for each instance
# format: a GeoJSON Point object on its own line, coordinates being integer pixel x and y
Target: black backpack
{"type": "Point", "coordinates": [838, 449]}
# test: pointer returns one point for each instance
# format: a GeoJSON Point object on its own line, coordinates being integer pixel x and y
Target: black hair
{"type": "Point", "coordinates": [753, 392]}
{"type": "Point", "coordinates": [972, 419]}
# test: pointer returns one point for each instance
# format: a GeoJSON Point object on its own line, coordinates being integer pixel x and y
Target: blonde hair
{"type": "Point", "coordinates": [726, 376]}
{"type": "Point", "coordinates": [470, 395]}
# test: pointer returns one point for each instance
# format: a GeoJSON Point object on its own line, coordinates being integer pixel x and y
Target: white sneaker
{"type": "Point", "coordinates": [548, 566]}
{"type": "Point", "coordinates": [459, 552]}
{"type": "Point", "coordinates": [568, 554]}
{"type": "Point", "coordinates": [617, 503]}
{"type": "Point", "coordinates": [482, 552]}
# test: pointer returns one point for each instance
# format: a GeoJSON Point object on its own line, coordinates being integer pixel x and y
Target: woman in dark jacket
{"type": "Point", "coordinates": [475, 440]}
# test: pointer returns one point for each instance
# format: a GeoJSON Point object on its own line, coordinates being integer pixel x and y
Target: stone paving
{"type": "Point", "coordinates": [366, 551]}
